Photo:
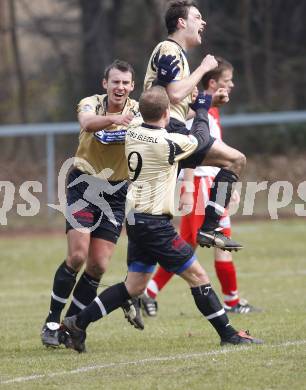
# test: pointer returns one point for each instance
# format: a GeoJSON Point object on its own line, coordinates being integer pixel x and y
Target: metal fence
{"type": "Point", "coordinates": [50, 130]}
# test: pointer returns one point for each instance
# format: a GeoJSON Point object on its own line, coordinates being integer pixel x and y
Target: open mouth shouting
{"type": "Point", "coordinates": [119, 94]}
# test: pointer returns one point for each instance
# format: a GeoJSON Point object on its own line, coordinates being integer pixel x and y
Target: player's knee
{"type": "Point", "coordinates": [196, 276]}
{"type": "Point", "coordinates": [239, 163]}
{"type": "Point", "coordinates": [222, 255]}
{"type": "Point", "coordinates": [96, 270]}
{"type": "Point", "coordinates": [201, 278]}
{"type": "Point", "coordinates": [98, 265]}
{"type": "Point", "coordinates": [76, 260]}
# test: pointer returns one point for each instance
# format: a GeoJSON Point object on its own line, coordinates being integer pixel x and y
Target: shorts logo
{"type": "Point", "coordinates": [97, 185]}
{"type": "Point", "coordinates": [83, 216]}
{"type": "Point", "coordinates": [178, 243]}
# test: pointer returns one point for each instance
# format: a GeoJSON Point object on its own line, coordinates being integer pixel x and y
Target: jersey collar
{"type": "Point", "coordinates": [151, 126]}
{"type": "Point", "coordinates": [172, 40]}
{"type": "Point", "coordinates": [105, 105]}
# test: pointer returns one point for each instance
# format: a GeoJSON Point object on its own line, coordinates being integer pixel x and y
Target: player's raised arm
{"type": "Point", "coordinates": [168, 69]}
{"type": "Point", "coordinates": [178, 90]}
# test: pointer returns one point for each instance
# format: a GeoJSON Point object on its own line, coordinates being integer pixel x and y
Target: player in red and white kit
{"type": "Point", "coordinates": [203, 177]}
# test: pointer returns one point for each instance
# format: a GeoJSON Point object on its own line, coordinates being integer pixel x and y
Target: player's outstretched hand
{"type": "Point", "coordinates": [167, 69]}
{"type": "Point", "coordinates": [220, 97]}
{"type": "Point", "coordinates": [202, 101]}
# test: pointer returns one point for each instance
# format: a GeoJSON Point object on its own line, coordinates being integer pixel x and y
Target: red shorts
{"type": "Point", "coordinates": [191, 223]}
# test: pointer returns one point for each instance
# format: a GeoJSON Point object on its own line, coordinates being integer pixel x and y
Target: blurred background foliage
{"type": "Point", "coordinates": [53, 53]}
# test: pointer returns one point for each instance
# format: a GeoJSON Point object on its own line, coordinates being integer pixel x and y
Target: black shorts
{"type": "Point", "coordinates": [105, 214]}
{"type": "Point", "coordinates": [153, 239]}
{"type": "Point", "coordinates": [196, 158]}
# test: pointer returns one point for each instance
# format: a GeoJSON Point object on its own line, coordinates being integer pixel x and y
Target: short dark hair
{"type": "Point", "coordinates": [177, 9]}
{"type": "Point", "coordinates": [153, 103]}
{"type": "Point", "coordinates": [216, 73]}
{"type": "Point", "coordinates": [123, 66]}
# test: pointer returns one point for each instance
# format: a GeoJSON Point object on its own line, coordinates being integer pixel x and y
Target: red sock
{"type": "Point", "coordinates": [226, 273]}
{"type": "Point", "coordinates": [160, 279]}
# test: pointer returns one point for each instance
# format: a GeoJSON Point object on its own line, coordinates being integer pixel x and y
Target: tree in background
{"type": "Point", "coordinates": [73, 41]}
{"type": "Point", "coordinates": [99, 21]}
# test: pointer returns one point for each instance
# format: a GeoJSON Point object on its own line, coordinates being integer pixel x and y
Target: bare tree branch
{"type": "Point", "coordinates": [22, 93]}
{"type": "Point", "coordinates": [56, 45]}
{"type": "Point", "coordinates": [246, 49]}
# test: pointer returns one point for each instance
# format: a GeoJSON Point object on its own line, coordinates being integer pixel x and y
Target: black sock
{"type": "Point", "coordinates": [109, 300]}
{"type": "Point", "coordinates": [84, 293]}
{"type": "Point", "coordinates": [220, 195]}
{"type": "Point", "coordinates": [209, 305]}
{"type": "Point", "coordinates": [64, 281]}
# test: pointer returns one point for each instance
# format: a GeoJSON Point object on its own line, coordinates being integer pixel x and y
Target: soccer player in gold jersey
{"type": "Point", "coordinates": [185, 28]}
{"type": "Point", "coordinates": [202, 178]}
{"type": "Point", "coordinates": [98, 180]}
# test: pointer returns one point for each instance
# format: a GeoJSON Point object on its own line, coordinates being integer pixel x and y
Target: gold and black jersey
{"type": "Point", "coordinates": [178, 111]}
{"type": "Point", "coordinates": [153, 156]}
{"type": "Point", "coordinates": [105, 148]}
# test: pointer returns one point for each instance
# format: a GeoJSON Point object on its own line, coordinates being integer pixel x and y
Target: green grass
{"type": "Point", "coordinates": [178, 349]}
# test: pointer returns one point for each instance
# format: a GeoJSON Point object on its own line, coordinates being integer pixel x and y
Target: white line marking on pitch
{"type": "Point", "coordinates": [148, 360]}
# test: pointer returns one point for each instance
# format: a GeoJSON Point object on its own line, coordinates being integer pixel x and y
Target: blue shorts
{"type": "Point", "coordinates": [152, 240]}
{"type": "Point", "coordinates": [107, 228]}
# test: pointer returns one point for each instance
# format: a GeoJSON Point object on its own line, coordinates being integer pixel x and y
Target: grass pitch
{"type": "Point", "coordinates": [178, 349]}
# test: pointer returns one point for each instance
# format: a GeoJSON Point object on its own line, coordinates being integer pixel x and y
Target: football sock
{"type": "Point", "coordinates": [109, 300]}
{"type": "Point", "coordinates": [227, 276]}
{"type": "Point", "coordinates": [220, 195]}
{"type": "Point", "coordinates": [64, 281]}
{"type": "Point", "coordinates": [159, 280]}
{"type": "Point", "coordinates": [84, 292]}
{"type": "Point", "coordinates": [209, 305]}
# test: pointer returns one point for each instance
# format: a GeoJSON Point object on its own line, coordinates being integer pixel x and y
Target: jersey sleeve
{"type": "Point", "coordinates": [181, 146]}
{"type": "Point", "coordinates": [87, 104]}
{"type": "Point", "coordinates": [168, 48]}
